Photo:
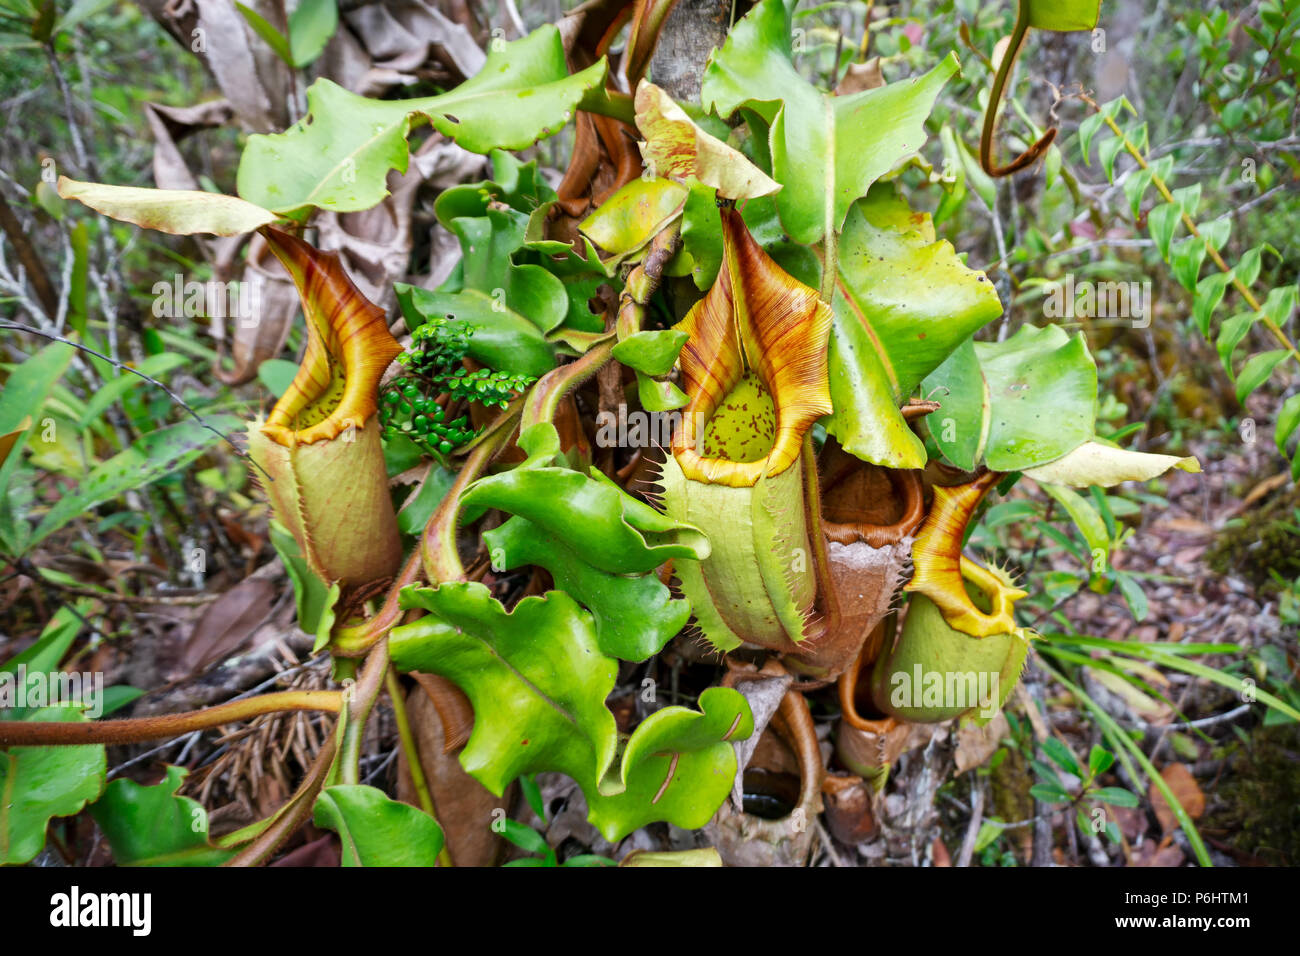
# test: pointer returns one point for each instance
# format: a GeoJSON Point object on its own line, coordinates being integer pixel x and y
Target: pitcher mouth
{"type": "Point", "coordinates": [941, 570]}
{"type": "Point", "coordinates": [348, 349]}
{"type": "Point", "coordinates": [754, 366]}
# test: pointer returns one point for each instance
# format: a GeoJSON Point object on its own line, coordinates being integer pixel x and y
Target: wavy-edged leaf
{"type": "Point", "coordinates": [593, 516]}
{"type": "Point", "coordinates": [538, 684]}
{"type": "Point", "coordinates": [826, 150]}
{"type": "Point", "coordinates": [155, 826]}
{"type": "Point", "coordinates": [635, 614]}
{"type": "Point", "coordinates": [488, 245]}
{"type": "Point", "coordinates": [904, 302]}
{"type": "Point", "coordinates": [180, 212]}
{"type": "Point", "coordinates": [535, 676]}
{"type": "Point", "coordinates": [679, 765]}
{"type": "Point", "coordinates": [376, 830]}
{"type": "Point", "coordinates": [339, 155]}
{"type": "Point", "coordinates": [37, 783]}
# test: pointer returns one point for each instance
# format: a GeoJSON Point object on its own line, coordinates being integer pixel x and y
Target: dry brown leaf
{"type": "Point", "coordinates": [228, 622]}
{"type": "Point", "coordinates": [324, 852]}
{"type": "Point", "coordinates": [462, 804]}
{"type": "Point", "coordinates": [1186, 791]}
{"type": "Point", "coordinates": [861, 76]}
{"type": "Point", "coordinates": [976, 744]}
{"type": "Point", "coordinates": [1165, 853]}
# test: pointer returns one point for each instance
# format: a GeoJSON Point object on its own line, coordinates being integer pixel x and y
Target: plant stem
{"type": "Point", "coordinates": [412, 752]}
{"type": "Point", "coordinates": [360, 701]}
{"type": "Point", "coordinates": [437, 549]}
{"type": "Point", "coordinates": [134, 731]}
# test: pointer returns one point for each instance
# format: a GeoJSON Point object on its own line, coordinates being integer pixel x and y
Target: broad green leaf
{"type": "Point", "coordinates": [1060, 755]}
{"type": "Point", "coordinates": [702, 234]}
{"type": "Point", "coordinates": [1096, 463]}
{"type": "Point", "coordinates": [654, 353]}
{"type": "Point", "coordinates": [1049, 793]}
{"type": "Point", "coordinates": [151, 457]}
{"type": "Point", "coordinates": [1134, 596]}
{"type": "Point", "coordinates": [1135, 187]}
{"type": "Point", "coordinates": [1061, 15]}
{"type": "Point", "coordinates": [314, 599]}
{"type": "Point", "coordinates": [1280, 303]}
{"type": "Point", "coordinates": [339, 155]}
{"type": "Point", "coordinates": [376, 830]}
{"type": "Point", "coordinates": [501, 226]}
{"type": "Point", "coordinates": [1248, 266]}
{"type": "Point", "coordinates": [488, 244]}
{"type": "Point", "coordinates": [826, 150]}
{"type": "Point", "coordinates": [1231, 332]}
{"type": "Point", "coordinates": [635, 614]}
{"type": "Point", "coordinates": [606, 526]}
{"type": "Point", "coordinates": [181, 212]}
{"type": "Point", "coordinates": [311, 25]}
{"type": "Point", "coordinates": [154, 826]}
{"type": "Point", "coordinates": [1088, 128]}
{"type": "Point", "coordinates": [45, 653]}
{"type": "Point", "coordinates": [1085, 518]}
{"type": "Point", "coordinates": [37, 783]}
{"type": "Point", "coordinates": [1209, 293]}
{"type": "Point", "coordinates": [1188, 198]}
{"type": "Point", "coordinates": [659, 396]}
{"type": "Point", "coordinates": [1107, 152]}
{"type": "Point", "coordinates": [1288, 420]}
{"type": "Point", "coordinates": [903, 303]}
{"type": "Point", "coordinates": [500, 339]}
{"type": "Point", "coordinates": [1216, 231]}
{"type": "Point", "coordinates": [631, 217]}
{"type": "Point", "coordinates": [527, 839]}
{"type": "Point", "coordinates": [1040, 388]}
{"type": "Point", "coordinates": [1186, 260]}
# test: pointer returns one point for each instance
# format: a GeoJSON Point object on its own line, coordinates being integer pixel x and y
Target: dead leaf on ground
{"type": "Point", "coordinates": [462, 804]}
{"type": "Point", "coordinates": [323, 852]}
{"type": "Point", "coordinates": [1165, 853]}
{"type": "Point", "coordinates": [1186, 791]}
{"type": "Point", "coordinates": [976, 744]}
{"type": "Point", "coordinates": [228, 623]}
